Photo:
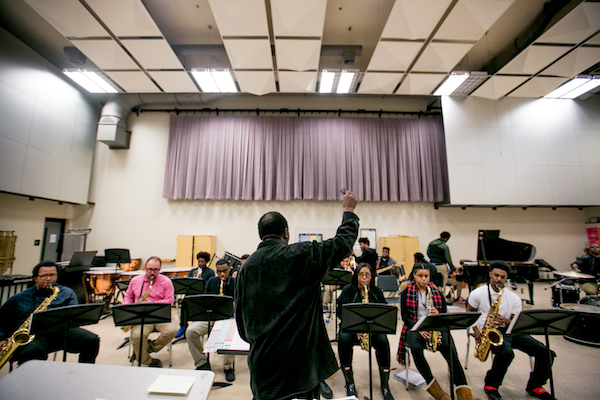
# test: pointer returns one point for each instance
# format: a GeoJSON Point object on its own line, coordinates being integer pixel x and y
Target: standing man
{"type": "Point", "coordinates": [202, 271]}
{"type": "Point", "coordinates": [481, 299]}
{"type": "Point", "coordinates": [589, 265]}
{"type": "Point", "coordinates": [278, 307]}
{"type": "Point", "coordinates": [199, 329]}
{"type": "Point", "coordinates": [439, 253]}
{"type": "Point", "coordinates": [368, 255]}
{"type": "Point", "coordinates": [386, 261]}
{"type": "Point", "coordinates": [151, 287]}
{"type": "Point", "coordinates": [20, 306]}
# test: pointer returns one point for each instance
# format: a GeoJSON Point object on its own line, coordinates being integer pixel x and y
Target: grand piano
{"type": "Point", "coordinates": [516, 254]}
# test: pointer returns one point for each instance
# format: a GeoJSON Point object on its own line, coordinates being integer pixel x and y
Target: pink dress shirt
{"type": "Point", "coordinates": [162, 290]}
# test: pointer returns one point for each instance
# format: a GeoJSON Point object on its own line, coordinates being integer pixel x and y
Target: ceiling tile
{"type": "Point", "coordinates": [576, 26]}
{"type": "Point", "coordinates": [379, 82]}
{"type": "Point", "coordinates": [471, 19]}
{"type": "Point", "coordinates": [298, 55]}
{"type": "Point", "coordinates": [69, 17]}
{"type": "Point", "coordinates": [393, 56]}
{"type": "Point", "coordinates": [575, 62]}
{"type": "Point", "coordinates": [298, 82]}
{"type": "Point", "coordinates": [174, 81]}
{"type": "Point", "coordinates": [538, 87]}
{"type": "Point", "coordinates": [594, 40]}
{"type": "Point", "coordinates": [533, 59]}
{"type": "Point", "coordinates": [498, 86]}
{"type": "Point", "coordinates": [133, 81]}
{"type": "Point", "coordinates": [125, 17]}
{"type": "Point", "coordinates": [408, 21]}
{"type": "Point", "coordinates": [256, 82]}
{"type": "Point", "coordinates": [240, 17]}
{"type": "Point", "coordinates": [298, 18]}
{"type": "Point", "coordinates": [420, 83]}
{"type": "Point", "coordinates": [441, 57]}
{"type": "Point", "coordinates": [106, 54]}
{"type": "Point", "coordinates": [249, 53]}
{"type": "Point", "coordinates": [153, 53]}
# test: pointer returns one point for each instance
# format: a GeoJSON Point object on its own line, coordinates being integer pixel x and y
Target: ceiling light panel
{"type": "Point", "coordinates": [441, 57]}
{"type": "Point", "coordinates": [498, 86]}
{"type": "Point", "coordinates": [174, 81]}
{"type": "Point", "coordinates": [69, 17]}
{"type": "Point", "coordinates": [393, 56]}
{"type": "Point", "coordinates": [125, 17]}
{"type": "Point", "coordinates": [408, 21]}
{"type": "Point", "coordinates": [153, 53]}
{"type": "Point", "coordinates": [538, 87]}
{"type": "Point", "coordinates": [420, 83]}
{"type": "Point", "coordinates": [575, 62]}
{"type": "Point", "coordinates": [379, 83]}
{"type": "Point", "coordinates": [256, 82]}
{"type": "Point", "coordinates": [533, 59]}
{"type": "Point", "coordinates": [298, 55]}
{"type": "Point", "coordinates": [133, 81]}
{"type": "Point", "coordinates": [249, 53]}
{"type": "Point", "coordinates": [240, 17]}
{"type": "Point", "coordinates": [576, 26]}
{"type": "Point", "coordinates": [298, 18]}
{"type": "Point", "coordinates": [297, 82]}
{"type": "Point", "coordinates": [106, 54]}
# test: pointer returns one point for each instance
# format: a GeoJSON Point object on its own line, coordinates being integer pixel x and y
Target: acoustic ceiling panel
{"type": "Point", "coordinates": [420, 83]}
{"type": "Point", "coordinates": [256, 82]}
{"type": "Point", "coordinates": [408, 21]}
{"type": "Point", "coordinates": [471, 19]}
{"type": "Point", "coordinates": [533, 59]}
{"type": "Point", "coordinates": [498, 86]}
{"type": "Point", "coordinates": [106, 54]}
{"type": "Point", "coordinates": [595, 40]}
{"type": "Point", "coordinates": [125, 17]}
{"type": "Point", "coordinates": [298, 18]}
{"type": "Point", "coordinates": [298, 55]}
{"type": "Point", "coordinates": [174, 81]}
{"type": "Point", "coordinates": [575, 27]}
{"type": "Point", "coordinates": [153, 53]}
{"type": "Point", "coordinates": [538, 87]}
{"type": "Point", "coordinates": [575, 62]}
{"type": "Point", "coordinates": [379, 82]}
{"type": "Point", "coordinates": [441, 57]}
{"type": "Point", "coordinates": [249, 53]}
{"type": "Point", "coordinates": [240, 17]}
{"type": "Point", "coordinates": [69, 17]}
{"type": "Point", "coordinates": [133, 81]}
{"type": "Point", "coordinates": [297, 82]}
{"type": "Point", "coordinates": [393, 56]}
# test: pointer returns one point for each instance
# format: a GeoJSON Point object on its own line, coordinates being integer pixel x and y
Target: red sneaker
{"type": "Point", "coordinates": [540, 393]}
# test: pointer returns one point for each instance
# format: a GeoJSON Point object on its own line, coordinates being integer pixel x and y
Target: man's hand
{"type": "Point", "coordinates": [477, 334]}
{"type": "Point", "coordinates": [349, 201]}
{"type": "Point", "coordinates": [425, 335]}
{"type": "Point", "coordinates": [500, 320]}
{"type": "Point", "coordinates": [574, 266]}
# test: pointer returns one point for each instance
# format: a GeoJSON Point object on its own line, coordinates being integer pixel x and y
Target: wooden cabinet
{"type": "Point", "coordinates": [402, 248]}
{"type": "Point", "coordinates": [188, 246]}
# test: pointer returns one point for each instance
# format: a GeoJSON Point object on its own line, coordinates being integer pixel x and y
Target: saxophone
{"type": "Point", "coordinates": [435, 339]}
{"type": "Point", "coordinates": [142, 298]}
{"type": "Point", "coordinates": [221, 287]}
{"type": "Point", "coordinates": [490, 336]}
{"type": "Point", "coordinates": [364, 341]}
{"type": "Point", "coordinates": [21, 336]}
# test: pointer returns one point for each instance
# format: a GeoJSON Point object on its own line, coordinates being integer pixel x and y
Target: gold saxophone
{"type": "Point", "coordinates": [221, 287]}
{"type": "Point", "coordinates": [490, 336]}
{"type": "Point", "coordinates": [435, 339]}
{"type": "Point", "coordinates": [364, 341]}
{"type": "Point", "coordinates": [353, 262]}
{"type": "Point", "coordinates": [142, 298]}
{"type": "Point", "coordinates": [21, 336]}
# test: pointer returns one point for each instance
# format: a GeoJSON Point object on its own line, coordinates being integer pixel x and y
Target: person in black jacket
{"type": "Point", "coordinates": [368, 255]}
{"type": "Point", "coordinates": [363, 280]}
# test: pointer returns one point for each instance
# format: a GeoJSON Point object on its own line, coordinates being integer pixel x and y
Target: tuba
{"type": "Point", "coordinates": [435, 339]}
{"type": "Point", "coordinates": [364, 342]}
{"type": "Point", "coordinates": [21, 336]}
{"type": "Point", "coordinates": [142, 298]}
{"type": "Point", "coordinates": [490, 336]}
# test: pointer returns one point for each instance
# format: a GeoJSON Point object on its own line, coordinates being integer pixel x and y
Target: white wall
{"type": "Point", "coordinates": [518, 151]}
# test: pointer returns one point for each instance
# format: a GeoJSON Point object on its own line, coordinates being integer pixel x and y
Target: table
{"type": "Point", "coordinates": [55, 380]}
{"type": "Point", "coordinates": [225, 339]}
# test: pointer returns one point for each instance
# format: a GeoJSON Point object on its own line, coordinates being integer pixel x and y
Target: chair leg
{"type": "Point", "coordinates": [468, 348]}
{"type": "Point", "coordinates": [406, 362]}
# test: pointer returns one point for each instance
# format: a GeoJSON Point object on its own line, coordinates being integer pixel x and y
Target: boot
{"type": "Point", "coordinates": [349, 377]}
{"type": "Point", "coordinates": [436, 391]}
{"type": "Point", "coordinates": [464, 393]}
{"type": "Point", "coordinates": [385, 388]}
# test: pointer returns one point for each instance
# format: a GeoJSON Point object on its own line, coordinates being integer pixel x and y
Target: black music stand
{"type": "Point", "coordinates": [544, 322]}
{"type": "Point", "coordinates": [336, 277]}
{"type": "Point", "coordinates": [447, 322]}
{"type": "Point", "coordinates": [207, 307]}
{"type": "Point", "coordinates": [369, 318]}
{"type": "Point", "coordinates": [186, 287]}
{"type": "Point", "coordinates": [141, 314]}
{"type": "Point", "coordinates": [117, 256]}
{"type": "Point", "coordinates": [64, 318]}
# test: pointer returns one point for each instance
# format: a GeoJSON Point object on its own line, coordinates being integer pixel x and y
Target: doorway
{"type": "Point", "coordinates": [52, 246]}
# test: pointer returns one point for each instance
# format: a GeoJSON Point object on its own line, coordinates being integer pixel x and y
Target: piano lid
{"type": "Point", "coordinates": [497, 248]}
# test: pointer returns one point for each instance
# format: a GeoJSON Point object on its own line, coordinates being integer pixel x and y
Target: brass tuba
{"type": "Point", "coordinates": [490, 336]}
{"type": "Point", "coordinates": [435, 339]}
{"type": "Point", "coordinates": [142, 298]}
{"type": "Point", "coordinates": [364, 341]}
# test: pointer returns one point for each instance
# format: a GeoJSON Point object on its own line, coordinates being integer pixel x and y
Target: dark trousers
{"type": "Point", "coordinates": [504, 355]}
{"type": "Point", "coordinates": [79, 341]}
{"type": "Point", "coordinates": [416, 343]}
{"type": "Point", "coordinates": [379, 342]}
{"type": "Point", "coordinates": [310, 395]}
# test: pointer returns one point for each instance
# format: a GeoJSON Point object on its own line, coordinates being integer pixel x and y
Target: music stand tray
{"type": "Point", "coordinates": [188, 286]}
{"type": "Point", "coordinates": [64, 318]}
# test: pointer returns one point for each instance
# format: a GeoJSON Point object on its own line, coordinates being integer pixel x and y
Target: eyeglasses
{"type": "Point", "coordinates": [47, 276]}
{"type": "Point", "coordinates": [364, 275]}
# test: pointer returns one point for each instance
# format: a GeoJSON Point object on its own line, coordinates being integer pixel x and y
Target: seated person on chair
{"type": "Point", "coordinates": [202, 271]}
{"type": "Point", "coordinates": [434, 276]}
{"type": "Point", "coordinates": [439, 253]}
{"type": "Point", "coordinates": [222, 284]}
{"type": "Point", "coordinates": [19, 307]}
{"type": "Point", "coordinates": [151, 287]}
{"type": "Point", "coordinates": [422, 298]}
{"type": "Point", "coordinates": [386, 261]}
{"type": "Point", "coordinates": [481, 299]}
{"type": "Point", "coordinates": [363, 285]}
{"type": "Point", "coordinates": [590, 265]}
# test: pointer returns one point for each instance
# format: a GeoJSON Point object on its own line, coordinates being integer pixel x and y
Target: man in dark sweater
{"type": "Point", "coordinates": [368, 255]}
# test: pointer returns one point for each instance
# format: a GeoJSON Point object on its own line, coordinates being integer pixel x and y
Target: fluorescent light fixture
{"type": "Point", "coordinates": [90, 81]}
{"type": "Point", "coordinates": [224, 81]}
{"type": "Point", "coordinates": [345, 82]}
{"type": "Point", "coordinates": [586, 87]}
{"type": "Point", "coordinates": [326, 84]}
{"type": "Point", "coordinates": [451, 84]}
{"type": "Point", "coordinates": [212, 81]}
{"type": "Point", "coordinates": [574, 88]}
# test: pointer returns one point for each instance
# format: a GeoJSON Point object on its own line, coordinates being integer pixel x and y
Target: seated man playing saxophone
{"type": "Point", "coordinates": [45, 294]}
{"type": "Point", "coordinates": [154, 288]}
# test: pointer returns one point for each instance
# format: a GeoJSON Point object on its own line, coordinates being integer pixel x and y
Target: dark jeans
{"type": "Point", "coordinates": [504, 355]}
{"type": "Point", "coordinates": [416, 343]}
{"type": "Point", "coordinates": [379, 342]}
{"type": "Point", "coordinates": [79, 341]}
{"type": "Point", "coordinates": [311, 394]}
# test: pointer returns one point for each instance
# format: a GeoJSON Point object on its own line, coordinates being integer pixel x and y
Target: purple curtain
{"type": "Point", "coordinates": [286, 158]}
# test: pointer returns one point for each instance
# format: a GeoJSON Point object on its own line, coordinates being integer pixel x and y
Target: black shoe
{"type": "Point", "coordinates": [155, 363]}
{"type": "Point", "coordinates": [539, 392]}
{"type": "Point", "coordinates": [492, 393]}
{"type": "Point", "coordinates": [326, 391]}
{"type": "Point", "coordinates": [349, 378]}
{"type": "Point", "coordinates": [132, 358]}
{"type": "Point", "coordinates": [229, 375]}
{"type": "Point", "coordinates": [150, 346]}
{"type": "Point", "coordinates": [204, 367]}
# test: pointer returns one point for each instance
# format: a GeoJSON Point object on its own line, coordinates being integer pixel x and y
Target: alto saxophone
{"type": "Point", "coordinates": [490, 336]}
{"type": "Point", "coordinates": [21, 336]}
{"type": "Point", "coordinates": [364, 341]}
{"type": "Point", "coordinates": [435, 339]}
{"type": "Point", "coordinates": [221, 287]}
{"type": "Point", "coordinates": [142, 298]}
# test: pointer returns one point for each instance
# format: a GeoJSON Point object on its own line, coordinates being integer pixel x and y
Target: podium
{"type": "Point", "coordinates": [336, 277]}
{"type": "Point", "coordinates": [447, 322]}
{"type": "Point", "coordinates": [543, 322]}
{"type": "Point", "coordinates": [141, 314]}
{"type": "Point", "coordinates": [64, 318]}
{"type": "Point", "coordinates": [369, 318]}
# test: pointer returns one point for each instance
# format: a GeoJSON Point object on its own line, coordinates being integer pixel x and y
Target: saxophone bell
{"type": "Point", "coordinates": [435, 340]}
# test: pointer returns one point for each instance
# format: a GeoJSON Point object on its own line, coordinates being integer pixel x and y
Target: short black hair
{"type": "Point", "coordinates": [272, 223]}
{"type": "Point", "coordinates": [419, 257]}
{"type": "Point", "coordinates": [422, 266]}
{"type": "Point", "coordinates": [46, 263]}
{"type": "Point", "coordinates": [222, 261]}
{"type": "Point", "coordinates": [445, 235]}
{"type": "Point", "coordinates": [204, 255]}
{"type": "Point", "coordinates": [365, 241]}
{"type": "Point", "coordinates": [385, 248]}
{"type": "Point", "coordinates": [245, 256]}
{"type": "Point", "coordinates": [500, 265]}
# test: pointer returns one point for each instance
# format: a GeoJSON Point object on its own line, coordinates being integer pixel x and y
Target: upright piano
{"type": "Point", "coordinates": [519, 256]}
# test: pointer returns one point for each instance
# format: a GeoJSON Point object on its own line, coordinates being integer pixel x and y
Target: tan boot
{"type": "Point", "coordinates": [436, 391]}
{"type": "Point", "coordinates": [464, 393]}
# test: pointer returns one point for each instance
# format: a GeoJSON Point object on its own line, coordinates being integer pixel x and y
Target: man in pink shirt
{"type": "Point", "coordinates": [151, 287]}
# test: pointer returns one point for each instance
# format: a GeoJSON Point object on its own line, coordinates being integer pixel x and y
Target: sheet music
{"type": "Point", "coordinates": [512, 323]}
{"type": "Point", "coordinates": [172, 384]}
{"type": "Point", "coordinates": [419, 322]}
